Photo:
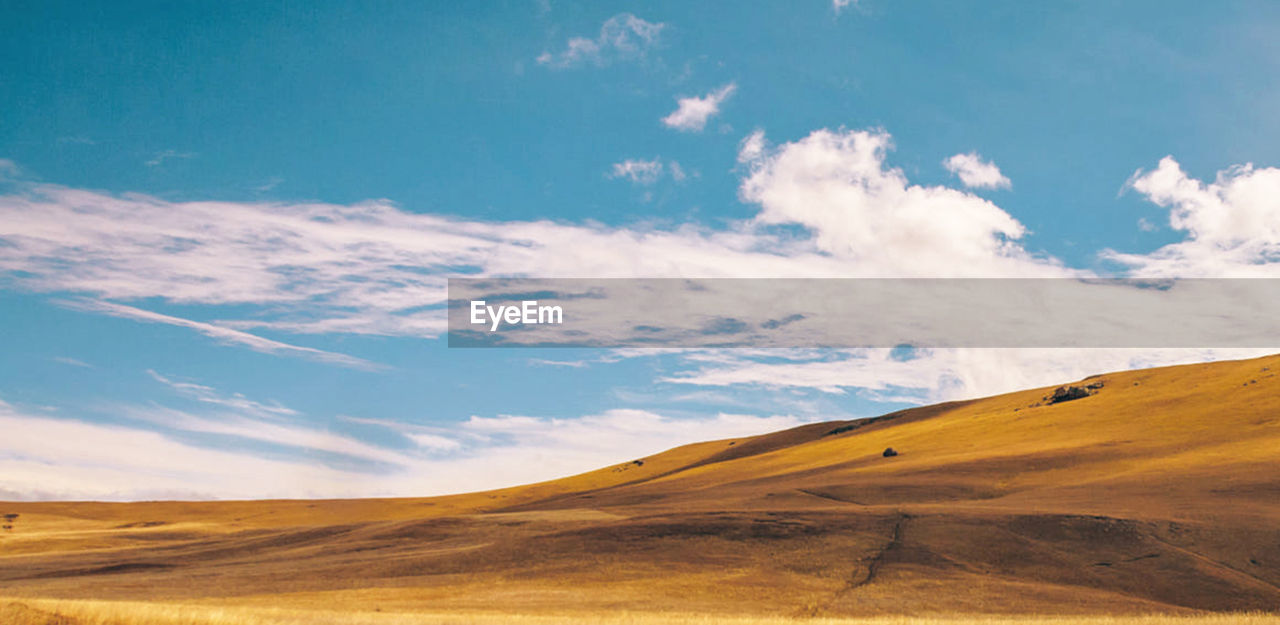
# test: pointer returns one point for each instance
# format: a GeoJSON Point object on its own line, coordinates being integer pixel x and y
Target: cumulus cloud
{"type": "Point", "coordinates": [1232, 224]}
{"type": "Point", "coordinates": [840, 5]}
{"type": "Point", "coordinates": [622, 37]}
{"type": "Point", "coordinates": [836, 184]}
{"type": "Point", "coordinates": [975, 172]}
{"type": "Point", "coordinates": [692, 113]}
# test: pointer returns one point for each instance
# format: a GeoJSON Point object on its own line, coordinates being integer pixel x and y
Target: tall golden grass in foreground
{"type": "Point", "coordinates": [79, 612]}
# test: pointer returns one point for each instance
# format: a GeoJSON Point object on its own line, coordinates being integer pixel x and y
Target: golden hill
{"type": "Point", "coordinates": [1158, 492]}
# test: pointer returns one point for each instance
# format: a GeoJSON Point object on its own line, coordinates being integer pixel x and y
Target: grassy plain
{"type": "Point", "coordinates": [1158, 494]}
{"type": "Point", "coordinates": [67, 612]}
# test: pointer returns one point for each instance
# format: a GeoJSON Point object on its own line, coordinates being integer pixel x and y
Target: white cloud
{"type": "Point", "coordinates": [1232, 225]}
{"type": "Point", "coordinates": [221, 334]}
{"type": "Point", "coordinates": [839, 5]}
{"type": "Point", "coordinates": [638, 171]}
{"type": "Point", "coordinates": [836, 184]}
{"type": "Point", "coordinates": [43, 457]}
{"type": "Point", "coordinates": [752, 147]}
{"type": "Point", "coordinates": [622, 37]}
{"type": "Point", "coordinates": [302, 437]}
{"type": "Point", "coordinates": [237, 402]}
{"type": "Point", "coordinates": [49, 458]}
{"type": "Point", "coordinates": [366, 268]}
{"type": "Point", "coordinates": [433, 442]}
{"type": "Point", "coordinates": [46, 458]}
{"type": "Point", "coordinates": [975, 172]}
{"type": "Point", "coordinates": [646, 173]}
{"type": "Point", "coordinates": [430, 438]}
{"type": "Point", "coordinates": [692, 113]}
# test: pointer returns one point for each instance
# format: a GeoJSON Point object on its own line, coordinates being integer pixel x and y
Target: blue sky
{"type": "Point", "coordinates": [224, 228]}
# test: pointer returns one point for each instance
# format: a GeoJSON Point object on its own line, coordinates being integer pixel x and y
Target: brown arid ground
{"type": "Point", "coordinates": [1157, 495]}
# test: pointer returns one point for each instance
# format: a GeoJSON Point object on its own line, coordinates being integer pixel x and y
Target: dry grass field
{"type": "Point", "coordinates": [1158, 494]}
{"type": "Point", "coordinates": [67, 612]}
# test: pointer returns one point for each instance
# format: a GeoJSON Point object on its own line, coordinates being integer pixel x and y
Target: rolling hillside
{"type": "Point", "coordinates": [1158, 491]}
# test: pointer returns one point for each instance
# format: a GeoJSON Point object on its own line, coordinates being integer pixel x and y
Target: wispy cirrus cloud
{"type": "Point", "coordinates": [236, 401]}
{"type": "Point", "coordinates": [160, 453]}
{"type": "Point", "coordinates": [295, 439]}
{"type": "Point", "coordinates": [430, 438]}
{"type": "Point", "coordinates": [367, 268]}
{"type": "Point", "coordinates": [692, 113]}
{"type": "Point", "coordinates": [74, 362]}
{"type": "Point", "coordinates": [219, 333]}
{"type": "Point", "coordinates": [622, 37]}
{"type": "Point", "coordinates": [46, 458]}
